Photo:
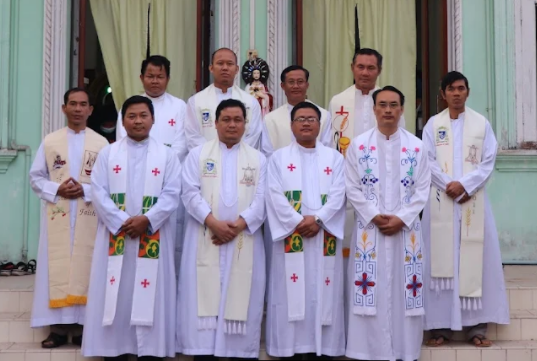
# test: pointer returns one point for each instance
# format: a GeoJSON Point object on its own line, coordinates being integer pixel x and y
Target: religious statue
{"type": "Point", "coordinates": [255, 73]}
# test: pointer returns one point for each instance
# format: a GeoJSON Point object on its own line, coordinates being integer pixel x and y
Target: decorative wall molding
{"type": "Point", "coordinates": [525, 65]}
{"type": "Point", "coordinates": [455, 34]}
{"type": "Point", "coordinates": [230, 29]}
{"type": "Point", "coordinates": [278, 46]}
{"type": "Point", "coordinates": [54, 64]}
{"type": "Point", "coordinates": [516, 161]}
{"type": "Point", "coordinates": [5, 73]}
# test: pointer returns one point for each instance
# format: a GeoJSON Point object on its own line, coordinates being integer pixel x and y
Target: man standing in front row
{"type": "Point", "coordinates": [276, 130]}
{"type": "Point", "coordinates": [387, 180]}
{"type": "Point", "coordinates": [60, 175]}
{"type": "Point", "coordinates": [306, 208]}
{"type": "Point", "coordinates": [136, 186]}
{"type": "Point", "coordinates": [466, 288]}
{"type": "Point", "coordinates": [200, 122]}
{"type": "Point", "coordinates": [222, 279]}
{"type": "Point", "coordinates": [169, 126]}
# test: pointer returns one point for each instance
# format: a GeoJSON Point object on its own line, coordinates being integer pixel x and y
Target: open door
{"type": "Point", "coordinates": [88, 69]}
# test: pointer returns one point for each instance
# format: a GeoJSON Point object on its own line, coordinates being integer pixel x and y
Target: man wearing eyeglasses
{"type": "Point", "coordinates": [305, 208]}
{"type": "Point", "coordinates": [276, 131]}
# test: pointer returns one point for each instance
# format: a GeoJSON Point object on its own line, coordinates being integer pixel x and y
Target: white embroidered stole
{"type": "Point", "coordinates": [342, 107]}
{"type": "Point", "coordinates": [344, 121]}
{"type": "Point", "coordinates": [473, 213]}
{"type": "Point", "coordinates": [278, 123]}
{"type": "Point", "coordinates": [69, 273]}
{"type": "Point", "coordinates": [208, 254]}
{"type": "Point", "coordinates": [292, 174]}
{"type": "Point", "coordinates": [206, 103]}
{"type": "Point", "coordinates": [145, 281]}
{"type": "Point", "coordinates": [367, 247]}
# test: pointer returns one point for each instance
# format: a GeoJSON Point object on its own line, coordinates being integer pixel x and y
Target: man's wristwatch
{"type": "Point", "coordinates": [318, 220]}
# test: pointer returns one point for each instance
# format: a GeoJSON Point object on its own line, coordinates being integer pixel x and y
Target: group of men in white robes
{"type": "Point", "coordinates": [345, 264]}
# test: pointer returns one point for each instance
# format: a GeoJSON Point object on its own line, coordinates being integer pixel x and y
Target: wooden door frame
{"type": "Point", "coordinates": [82, 42]}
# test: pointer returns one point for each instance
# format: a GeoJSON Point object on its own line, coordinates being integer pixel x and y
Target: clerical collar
{"type": "Point", "coordinates": [394, 136]}
{"type": "Point", "coordinates": [224, 146]}
{"type": "Point", "coordinates": [220, 91]}
{"type": "Point", "coordinates": [461, 117]}
{"type": "Point", "coordinates": [360, 92]}
{"type": "Point", "coordinates": [137, 143]}
{"type": "Point", "coordinates": [71, 131]}
{"type": "Point", "coordinates": [306, 150]}
{"type": "Point", "coordinates": [157, 99]}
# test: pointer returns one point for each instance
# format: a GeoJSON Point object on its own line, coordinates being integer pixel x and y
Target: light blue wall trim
{"type": "Point", "coordinates": [261, 28]}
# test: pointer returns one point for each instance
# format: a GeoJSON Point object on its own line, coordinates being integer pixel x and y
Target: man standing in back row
{"type": "Point", "coordinates": [169, 127]}
{"type": "Point", "coordinates": [277, 131]}
{"type": "Point", "coordinates": [200, 123]}
{"type": "Point", "coordinates": [352, 113]}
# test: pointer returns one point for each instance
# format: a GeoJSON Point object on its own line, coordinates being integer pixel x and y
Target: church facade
{"type": "Point", "coordinates": [491, 41]}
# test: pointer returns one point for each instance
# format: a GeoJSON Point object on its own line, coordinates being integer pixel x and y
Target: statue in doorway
{"type": "Point", "coordinates": [255, 73]}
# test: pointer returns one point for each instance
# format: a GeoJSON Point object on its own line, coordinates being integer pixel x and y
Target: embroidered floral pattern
{"type": "Point", "coordinates": [365, 261]}
{"type": "Point", "coordinates": [413, 268]}
{"type": "Point", "coordinates": [408, 180]}
{"type": "Point", "coordinates": [369, 179]}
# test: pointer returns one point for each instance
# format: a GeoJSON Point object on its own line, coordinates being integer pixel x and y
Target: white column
{"type": "Point", "coordinates": [230, 29]}
{"type": "Point", "coordinates": [455, 35]}
{"type": "Point", "coordinates": [54, 64]}
{"type": "Point", "coordinates": [278, 42]}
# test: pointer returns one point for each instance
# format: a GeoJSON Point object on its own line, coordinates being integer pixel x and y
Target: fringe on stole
{"type": "Point", "coordinates": [235, 327]}
{"type": "Point", "coordinates": [441, 284]}
{"type": "Point", "coordinates": [206, 323]}
{"type": "Point", "coordinates": [230, 327]}
{"type": "Point", "coordinates": [471, 303]}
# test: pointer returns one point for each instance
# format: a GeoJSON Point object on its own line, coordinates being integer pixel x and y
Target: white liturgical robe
{"type": "Point", "coordinates": [285, 338]}
{"type": "Point", "coordinates": [364, 120]}
{"type": "Point", "coordinates": [169, 129]}
{"type": "Point", "coordinates": [120, 337]}
{"type": "Point", "coordinates": [443, 308]}
{"type": "Point", "coordinates": [190, 339]}
{"type": "Point", "coordinates": [42, 314]}
{"type": "Point", "coordinates": [390, 334]}
{"type": "Point", "coordinates": [193, 130]}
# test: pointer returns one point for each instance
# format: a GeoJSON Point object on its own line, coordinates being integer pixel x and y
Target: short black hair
{"type": "Point", "coordinates": [158, 61]}
{"type": "Point", "coordinates": [392, 89]}
{"type": "Point", "coordinates": [217, 50]}
{"type": "Point", "coordinates": [75, 90]}
{"type": "Point", "coordinates": [137, 99]}
{"type": "Point", "coordinates": [451, 78]}
{"type": "Point", "coordinates": [305, 105]}
{"type": "Point", "coordinates": [230, 103]}
{"type": "Point", "coordinates": [293, 68]}
{"type": "Point", "coordinates": [368, 51]}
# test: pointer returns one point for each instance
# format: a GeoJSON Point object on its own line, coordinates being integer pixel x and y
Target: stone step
{"type": "Point", "coordinates": [15, 328]}
{"type": "Point", "coordinates": [456, 351]}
